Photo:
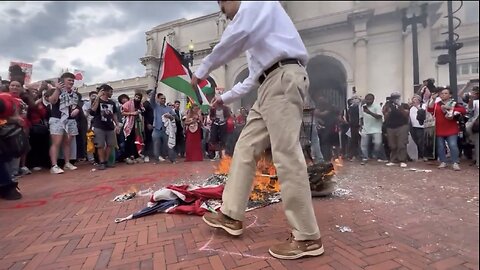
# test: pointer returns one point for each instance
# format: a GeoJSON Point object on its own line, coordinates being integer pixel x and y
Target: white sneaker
{"type": "Point", "coordinates": [161, 159]}
{"type": "Point", "coordinates": [36, 169]}
{"type": "Point", "coordinates": [390, 164]}
{"type": "Point", "coordinates": [24, 170]}
{"type": "Point", "coordinates": [382, 161]}
{"type": "Point", "coordinates": [146, 159]}
{"type": "Point", "coordinates": [364, 161]}
{"type": "Point", "coordinates": [442, 165]}
{"type": "Point", "coordinates": [456, 167]}
{"type": "Point", "coordinates": [69, 166]}
{"type": "Point", "coordinates": [403, 165]}
{"type": "Point", "coordinates": [56, 170]}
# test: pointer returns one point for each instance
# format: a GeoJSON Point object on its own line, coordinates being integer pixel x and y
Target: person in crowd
{"type": "Point", "coordinates": [92, 96]}
{"type": "Point", "coordinates": [353, 113]}
{"type": "Point", "coordinates": [230, 128]}
{"type": "Point", "coordinates": [81, 138]}
{"type": "Point", "coordinates": [473, 122]}
{"type": "Point", "coordinates": [105, 124]}
{"type": "Point", "coordinates": [327, 117]}
{"type": "Point", "coordinates": [160, 138]}
{"type": "Point", "coordinates": [277, 57]}
{"type": "Point", "coordinates": [445, 112]}
{"type": "Point", "coordinates": [8, 114]}
{"type": "Point", "coordinates": [63, 127]}
{"type": "Point", "coordinates": [38, 156]}
{"type": "Point", "coordinates": [396, 115]}
{"type": "Point", "coordinates": [133, 128]}
{"type": "Point", "coordinates": [22, 100]}
{"type": "Point", "coordinates": [180, 136]}
{"type": "Point", "coordinates": [241, 118]}
{"type": "Point", "coordinates": [417, 120]}
{"type": "Point", "coordinates": [149, 119]}
{"type": "Point", "coordinates": [193, 134]}
{"type": "Point", "coordinates": [371, 120]}
{"type": "Point", "coordinates": [218, 130]}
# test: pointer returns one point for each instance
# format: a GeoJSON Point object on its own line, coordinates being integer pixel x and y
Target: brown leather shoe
{"type": "Point", "coordinates": [292, 249]}
{"type": "Point", "coordinates": [219, 220]}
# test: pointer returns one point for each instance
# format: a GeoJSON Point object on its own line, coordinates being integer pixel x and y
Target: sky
{"type": "Point", "coordinates": [104, 39]}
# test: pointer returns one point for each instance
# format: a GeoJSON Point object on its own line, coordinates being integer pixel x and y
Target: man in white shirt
{"type": "Point", "coordinates": [276, 58]}
{"type": "Point", "coordinates": [416, 128]}
{"type": "Point", "coordinates": [371, 120]}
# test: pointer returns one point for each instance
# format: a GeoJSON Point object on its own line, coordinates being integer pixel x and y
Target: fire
{"type": "Point", "coordinates": [265, 181]}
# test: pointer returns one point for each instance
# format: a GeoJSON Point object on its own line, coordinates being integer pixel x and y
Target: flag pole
{"type": "Point", "coordinates": [160, 64]}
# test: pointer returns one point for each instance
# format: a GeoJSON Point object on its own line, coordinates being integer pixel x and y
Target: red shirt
{"type": "Point", "coordinates": [9, 103]}
{"type": "Point", "coordinates": [445, 127]}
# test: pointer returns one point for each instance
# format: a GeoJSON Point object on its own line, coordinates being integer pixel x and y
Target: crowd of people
{"type": "Point", "coordinates": [63, 129]}
{"type": "Point", "coordinates": [59, 123]}
{"type": "Point", "coordinates": [439, 125]}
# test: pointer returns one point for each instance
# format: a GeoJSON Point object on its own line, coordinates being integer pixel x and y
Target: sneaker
{"type": "Point", "coordinates": [364, 161]}
{"type": "Point", "coordinates": [391, 164]}
{"type": "Point", "coordinates": [10, 192]}
{"type": "Point", "coordinates": [36, 169]}
{"type": "Point", "coordinates": [403, 165]}
{"type": "Point", "coordinates": [456, 167]}
{"type": "Point", "coordinates": [24, 170]}
{"type": "Point", "coordinates": [425, 159]}
{"type": "Point", "coordinates": [442, 165]}
{"type": "Point", "coordinates": [56, 170]}
{"type": "Point", "coordinates": [161, 159]}
{"type": "Point", "coordinates": [69, 166]}
{"type": "Point", "coordinates": [146, 159]}
{"type": "Point", "coordinates": [102, 166]}
{"type": "Point", "coordinates": [382, 161]}
{"type": "Point", "coordinates": [292, 249]}
{"type": "Point", "coordinates": [129, 161]}
{"type": "Point", "coordinates": [139, 160]}
{"type": "Point", "coordinates": [219, 220]}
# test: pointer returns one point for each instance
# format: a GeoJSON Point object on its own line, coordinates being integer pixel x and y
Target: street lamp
{"type": "Point", "coordinates": [188, 57]}
{"type": "Point", "coordinates": [410, 17]}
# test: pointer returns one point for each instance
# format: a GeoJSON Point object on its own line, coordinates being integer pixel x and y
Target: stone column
{"type": "Point", "coordinates": [359, 21]}
{"type": "Point", "coordinates": [407, 65]}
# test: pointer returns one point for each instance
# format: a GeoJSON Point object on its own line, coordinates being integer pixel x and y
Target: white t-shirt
{"type": "Point", "coordinates": [413, 116]}
{"type": "Point", "coordinates": [371, 125]}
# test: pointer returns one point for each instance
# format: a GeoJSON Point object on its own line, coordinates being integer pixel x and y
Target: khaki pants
{"type": "Point", "coordinates": [397, 141]}
{"type": "Point", "coordinates": [275, 120]}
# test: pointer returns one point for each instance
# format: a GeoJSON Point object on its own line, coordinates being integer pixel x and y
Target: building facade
{"type": "Point", "coordinates": [353, 46]}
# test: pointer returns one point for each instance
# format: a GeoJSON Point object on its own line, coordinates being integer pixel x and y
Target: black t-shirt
{"type": "Point", "coordinates": [103, 116]}
{"type": "Point", "coordinates": [396, 119]}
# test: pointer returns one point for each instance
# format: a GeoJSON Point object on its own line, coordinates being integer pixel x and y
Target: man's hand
{"type": "Point", "coordinates": [75, 112]}
{"type": "Point", "coordinates": [195, 82]}
{"type": "Point", "coordinates": [117, 129]}
{"type": "Point", "coordinates": [217, 102]}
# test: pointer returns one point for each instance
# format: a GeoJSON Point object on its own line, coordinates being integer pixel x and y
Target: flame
{"type": "Point", "coordinates": [265, 181]}
{"type": "Point", "coordinates": [337, 163]}
{"type": "Point", "coordinates": [132, 189]}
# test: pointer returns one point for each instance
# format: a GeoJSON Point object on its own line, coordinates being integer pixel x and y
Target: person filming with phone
{"type": "Point", "coordinates": [63, 127]}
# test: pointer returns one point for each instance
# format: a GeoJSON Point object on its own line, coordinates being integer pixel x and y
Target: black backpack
{"type": "Point", "coordinates": [421, 116]}
{"type": "Point", "coordinates": [13, 141]}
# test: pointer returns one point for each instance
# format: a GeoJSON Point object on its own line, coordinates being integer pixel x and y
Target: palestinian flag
{"type": "Point", "coordinates": [177, 75]}
{"type": "Point", "coordinates": [208, 87]}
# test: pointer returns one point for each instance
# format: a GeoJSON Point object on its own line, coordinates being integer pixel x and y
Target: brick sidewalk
{"type": "Point", "coordinates": [385, 218]}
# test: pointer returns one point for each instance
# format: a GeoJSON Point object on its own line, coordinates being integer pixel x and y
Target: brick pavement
{"type": "Point", "coordinates": [397, 219]}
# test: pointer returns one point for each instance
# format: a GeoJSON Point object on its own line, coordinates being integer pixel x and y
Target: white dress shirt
{"type": "Point", "coordinates": [265, 31]}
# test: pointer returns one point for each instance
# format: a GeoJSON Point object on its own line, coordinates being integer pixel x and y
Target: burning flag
{"type": "Point", "coordinates": [178, 76]}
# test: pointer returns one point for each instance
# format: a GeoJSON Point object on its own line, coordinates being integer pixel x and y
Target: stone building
{"type": "Point", "coordinates": [357, 45]}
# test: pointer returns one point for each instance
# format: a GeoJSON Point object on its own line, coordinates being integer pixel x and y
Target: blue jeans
{"type": "Point", "coordinates": [452, 145]}
{"type": "Point", "coordinates": [315, 147]}
{"type": "Point", "coordinates": [5, 176]}
{"type": "Point", "coordinates": [160, 145]}
{"type": "Point", "coordinates": [377, 145]}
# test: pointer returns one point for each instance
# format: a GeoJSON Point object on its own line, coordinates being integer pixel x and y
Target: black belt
{"type": "Point", "coordinates": [280, 63]}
